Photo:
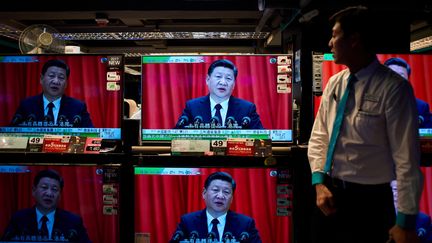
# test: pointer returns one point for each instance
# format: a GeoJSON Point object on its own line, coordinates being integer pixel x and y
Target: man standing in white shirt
{"type": "Point", "coordinates": [362, 140]}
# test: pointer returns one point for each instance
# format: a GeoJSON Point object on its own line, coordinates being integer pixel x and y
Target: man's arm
{"type": "Point", "coordinates": [402, 132]}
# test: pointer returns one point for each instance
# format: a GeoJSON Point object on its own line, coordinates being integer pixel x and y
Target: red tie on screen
{"type": "Point", "coordinates": [218, 113]}
{"type": "Point", "coordinates": [50, 112]}
{"type": "Point", "coordinates": [215, 222]}
{"type": "Point", "coordinates": [44, 227]}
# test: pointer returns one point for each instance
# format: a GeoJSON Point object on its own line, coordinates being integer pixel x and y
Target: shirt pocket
{"type": "Point", "coordinates": [370, 117]}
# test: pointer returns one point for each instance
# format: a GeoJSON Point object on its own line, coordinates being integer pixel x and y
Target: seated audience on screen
{"type": "Point", "coordinates": [219, 107]}
{"type": "Point", "coordinates": [45, 221]}
{"type": "Point", "coordinates": [216, 221]}
{"type": "Point", "coordinates": [401, 67]}
{"type": "Point", "coordinates": [52, 107]}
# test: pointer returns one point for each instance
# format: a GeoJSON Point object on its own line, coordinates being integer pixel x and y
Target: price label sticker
{"type": "Point", "coordinates": [219, 143]}
{"type": "Point", "coordinates": [36, 140]}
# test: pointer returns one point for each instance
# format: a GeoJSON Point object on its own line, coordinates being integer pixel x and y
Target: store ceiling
{"type": "Point", "coordinates": [124, 22]}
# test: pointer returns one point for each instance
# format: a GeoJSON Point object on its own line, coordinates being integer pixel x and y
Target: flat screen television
{"type": "Point", "coordinates": [92, 101]}
{"type": "Point", "coordinates": [262, 87]}
{"type": "Point", "coordinates": [163, 195]}
{"type": "Point", "coordinates": [420, 79]}
{"type": "Point", "coordinates": [86, 193]}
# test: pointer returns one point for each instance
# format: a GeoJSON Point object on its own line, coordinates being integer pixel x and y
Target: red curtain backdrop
{"type": "Point", "coordinates": [87, 82]}
{"type": "Point", "coordinates": [160, 201]}
{"type": "Point", "coordinates": [82, 194]}
{"type": "Point", "coordinates": [167, 86]}
{"type": "Point", "coordinates": [421, 81]}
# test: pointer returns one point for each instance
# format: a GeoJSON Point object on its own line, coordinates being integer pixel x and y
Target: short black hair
{"type": "Point", "coordinates": [220, 175]}
{"type": "Point", "coordinates": [222, 63]}
{"type": "Point", "coordinates": [50, 173]}
{"type": "Point", "coordinates": [398, 62]}
{"type": "Point", "coordinates": [356, 19]}
{"type": "Point", "coordinates": [55, 63]}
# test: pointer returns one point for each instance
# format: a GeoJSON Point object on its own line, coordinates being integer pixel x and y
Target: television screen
{"type": "Point", "coordinates": [163, 195]}
{"type": "Point", "coordinates": [180, 94]}
{"type": "Point", "coordinates": [90, 88]}
{"type": "Point", "coordinates": [87, 195]}
{"type": "Point", "coordinates": [419, 77]}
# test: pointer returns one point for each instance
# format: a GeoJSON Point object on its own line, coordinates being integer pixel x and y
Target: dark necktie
{"type": "Point", "coordinates": [218, 113]}
{"type": "Point", "coordinates": [338, 123]}
{"type": "Point", "coordinates": [214, 229]}
{"type": "Point", "coordinates": [50, 113]}
{"type": "Point", "coordinates": [44, 227]}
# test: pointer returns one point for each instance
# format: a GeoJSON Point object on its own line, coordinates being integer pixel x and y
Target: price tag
{"type": "Point", "coordinates": [219, 143]}
{"type": "Point", "coordinates": [36, 140]}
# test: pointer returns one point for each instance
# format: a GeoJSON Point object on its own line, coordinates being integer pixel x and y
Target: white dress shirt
{"type": "Point", "coordinates": [379, 135]}
{"type": "Point", "coordinates": [223, 110]}
{"type": "Point", "coordinates": [220, 226]}
{"type": "Point", "coordinates": [49, 223]}
{"type": "Point", "coordinates": [56, 107]}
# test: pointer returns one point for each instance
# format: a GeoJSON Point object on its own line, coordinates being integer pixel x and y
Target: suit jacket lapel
{"type": "Point", "coordinates": [207, 109]}
{"type": "Point", "coordinates": [232, 107]}
{"type": "Point", "coordinates": [201, 222]}
{"type": "Point", "coordinates": [41, 111]}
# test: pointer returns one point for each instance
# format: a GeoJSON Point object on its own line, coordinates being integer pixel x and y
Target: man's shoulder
{"type": "Point", "coordinates": [24, 213]}
{"type": "Point", "coordinates": [239, 216]}
{"type": "Point", "coordinates": [194, 214]}
{"type": "Point", "coordinates": [70, 100]}
{"type": "Point", "coordinates": [240, 101]}
{"type": "Point", "coordinates": [66, 214]}
{"type": "Point", "coordinates": [199, 99]}
{"type": "Point", "coordinates": [32, 99]}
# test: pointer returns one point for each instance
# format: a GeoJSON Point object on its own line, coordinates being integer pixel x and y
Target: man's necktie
{"type": "Point", "coordinates": [214, 229]}
{"type": "Point", "coordinates": [338, 123]}
{"type": "Point", "coordinates": [50, 113]}
{"type": "Point", "coordinates": [218, 113]}
{"type": "Point", "coordinates": [44, 227]}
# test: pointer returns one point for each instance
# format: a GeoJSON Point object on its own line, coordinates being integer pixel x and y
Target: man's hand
{"type": "Point", "coordinates": [400, 235]}
{"type": "Point", "coordinates": [324, 199]}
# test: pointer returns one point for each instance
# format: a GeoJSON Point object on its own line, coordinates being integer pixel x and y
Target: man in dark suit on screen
{"type": "Point", "coordinates": [45, 221]}
{"type": "Point", "coordinates": [52, 107]}
{"type": "Point", "coordinates": [219, 107]}
{"type": "Point", "coordinates": [401, 67]}
{"type": "Point", "coordinates": [217, 222]}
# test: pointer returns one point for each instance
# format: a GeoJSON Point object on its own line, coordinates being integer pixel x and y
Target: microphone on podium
{"type": "Point", "coordinates": [244, 236]}
{"type": "Point", "coordinates": [62, 118]}
{"type": "Point", "coordinates": [227, 236]}
{"type": "Point", "coordinates": [230, 122]}
{"type": "Point", "coordinates": [31, 118]}
{"type": "Point", "coordinates": [211, 236]}
{"type": "Point", "coordinates": [245, 122]}
{"type": "Point", "coordinates": [76, 121]}
{"type": "Point", "coordinates": [193, 235]}
{"type": "Point", "coordinates": [184, 120]}
{"type": "Point", "coordinates": [17, 119]}
{"type": "Point", "coordinates": [198, 120]}
{"type": "Point", "coordinates": [178, 235]}
{"type": "Point", "coordinates": [48, 118]}
{"type": "Point", "coordinates": [214, 121]}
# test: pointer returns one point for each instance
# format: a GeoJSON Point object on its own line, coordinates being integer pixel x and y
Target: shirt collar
{"type": "Point", "coordinates": [55, 102]}
{"type": "Point", "coordinates": [364, 73]}
{"type": "Point", "coordinates": [222, 218]}
{"type": "Point", "coordinates": [224, 104]}
{"type": "Point", "coordinates": [50, 215]}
